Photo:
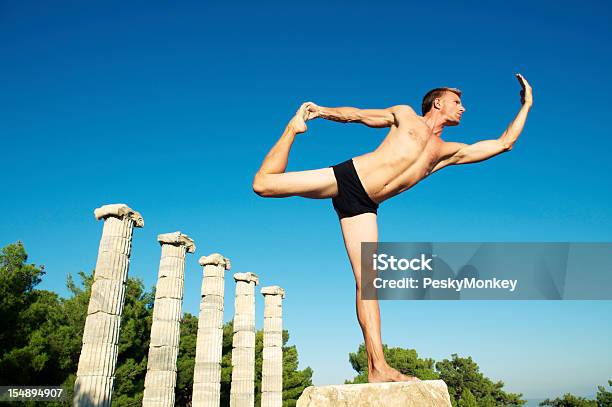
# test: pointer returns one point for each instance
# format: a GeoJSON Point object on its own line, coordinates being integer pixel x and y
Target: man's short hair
{"type": "Point", "coordinates": [433, 94]}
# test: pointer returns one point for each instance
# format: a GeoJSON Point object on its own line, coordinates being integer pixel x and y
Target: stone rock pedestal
{"type": "Point", "coordinates": [427, 393]}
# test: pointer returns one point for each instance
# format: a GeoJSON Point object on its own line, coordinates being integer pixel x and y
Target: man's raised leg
{"type": "Point", "coordinates": [272, 181]}
{"type": "Point", "coordinates": [355, 230]}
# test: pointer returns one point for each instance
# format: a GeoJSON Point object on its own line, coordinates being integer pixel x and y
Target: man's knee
{"type": "Point", "coordinates": [365, 288]}
{"type": "Point", "coordinates": [359, 291]}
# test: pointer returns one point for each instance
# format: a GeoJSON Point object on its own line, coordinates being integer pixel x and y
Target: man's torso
{"type": "Point", "coordinates": [408, 154]}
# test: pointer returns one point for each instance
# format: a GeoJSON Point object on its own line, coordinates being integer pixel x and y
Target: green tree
{"type": "Point", "coordinates": [42, 342]}
{"type": "Point", "coordinates": [463, 373]}
{"type": "Point", "coordinates": [467, 399]}
{"type": "Point", "coordinates": [569, 400]}
{"type": "Point", "coordinates": [226, 362]}
{"type": "Point", "coordinates": [404, 360]}
{"type": "Point", "coordinates": [186, 360]}
{"type": "Point", "coordinates": [604, 397]}
{"type": "Point", "coordinates": [30, 353]}
{"type": "Point", "coordinates": [17, 282]}
{"type": "Point", "coordinates": [294, 380]}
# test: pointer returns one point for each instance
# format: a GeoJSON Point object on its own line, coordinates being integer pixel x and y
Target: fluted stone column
{"type": "Point", "coordinates": [242, 393]}
{"type": "Point", "coordinates": [207, 370]}
{"type": "Point", "coordinates": [160, 380]}
{"type": "Point", "coordinates": [96, 371]}
{"type": "Point", "coordinates": [272, 368]}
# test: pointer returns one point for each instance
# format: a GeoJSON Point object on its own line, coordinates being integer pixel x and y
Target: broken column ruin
{"type": "Point", "coordinates": [272, 368]}
{"type": "Point", "coordinates": [160, 380]}
{"type": "Point", "coordinates": [96, 371]}
{"type": "Point", "coordinates": [207, 370]}
{"type": "Point", "coordinates": [242, 393]}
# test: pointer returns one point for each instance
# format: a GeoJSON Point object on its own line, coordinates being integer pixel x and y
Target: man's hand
{"type": "Point", "coordinates": [526, 92]}
{"type": "Point", "coordinates": [312, 111]}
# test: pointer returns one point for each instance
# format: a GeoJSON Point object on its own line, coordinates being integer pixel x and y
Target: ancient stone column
{"type": "Point", "coordinates": [242, 393]}
{"type": "Point", "coordinates": [272, 368]}
{"type": "Point", "coordinates": [160, 380]}
{"type": "Point", "coordinates": [207, 370]}
{"type": "Point", "coordinates": [96, 371]}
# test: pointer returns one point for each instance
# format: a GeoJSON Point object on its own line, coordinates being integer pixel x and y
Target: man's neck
{"type": "Point", "coordinates": [435, 123]}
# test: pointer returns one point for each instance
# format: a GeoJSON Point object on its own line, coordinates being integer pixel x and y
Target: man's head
{"type": "Point", "coordinates": [445, 101]}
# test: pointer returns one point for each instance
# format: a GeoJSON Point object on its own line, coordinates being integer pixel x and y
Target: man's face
{"type": "Point", "coordinates": [451, 108]}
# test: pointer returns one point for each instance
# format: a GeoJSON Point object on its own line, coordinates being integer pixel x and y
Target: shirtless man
{"type": "Point", "coordinates": [411, 151]}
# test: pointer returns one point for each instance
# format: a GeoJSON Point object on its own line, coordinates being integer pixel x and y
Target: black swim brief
{"type": "Point", "coordinates": [352, 199]}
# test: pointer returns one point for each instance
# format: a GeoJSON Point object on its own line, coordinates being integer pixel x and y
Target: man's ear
{"type": "Point", "coordinates": [437, 103]}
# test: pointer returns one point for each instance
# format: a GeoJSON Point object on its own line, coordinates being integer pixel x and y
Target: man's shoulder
{"type": "Point", "coordinates": [402, 110]}
{"type": "Point", "coordinates": [402, 113]}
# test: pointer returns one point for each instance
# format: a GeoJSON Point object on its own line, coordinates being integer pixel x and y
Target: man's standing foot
{"type": "Point", "coordinates": [388, 374]}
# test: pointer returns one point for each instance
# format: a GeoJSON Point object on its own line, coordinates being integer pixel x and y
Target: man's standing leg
{"type": "Point", "coordinates": [357, 229]}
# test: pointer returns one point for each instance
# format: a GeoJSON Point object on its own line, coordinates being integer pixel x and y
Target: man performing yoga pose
{"type": "Point", "coordinates": [411, 151]}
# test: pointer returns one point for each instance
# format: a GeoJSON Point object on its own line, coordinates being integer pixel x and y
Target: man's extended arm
{"type": "Point", "coordinates": [482, 150]}
{"type": "Point", "coordinates": [369, 117]}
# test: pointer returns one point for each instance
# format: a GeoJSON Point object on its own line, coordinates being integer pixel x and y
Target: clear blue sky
{"type": "Point", "coordinates": [170, 108]}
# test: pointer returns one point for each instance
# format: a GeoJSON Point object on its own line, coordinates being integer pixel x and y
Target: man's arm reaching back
{"type": "Point", "coordinates": [370, 117]}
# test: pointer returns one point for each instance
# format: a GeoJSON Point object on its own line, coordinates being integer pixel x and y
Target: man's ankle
{"type": "Point", "coordinates": [379, 366]}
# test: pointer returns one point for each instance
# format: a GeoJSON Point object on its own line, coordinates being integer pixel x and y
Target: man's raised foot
{"type": "Point", "coordinates": [298, 123]}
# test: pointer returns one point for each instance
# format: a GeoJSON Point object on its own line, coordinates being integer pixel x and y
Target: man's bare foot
{"type": "Point", "coordinates": [388, 374]}
{"type": "Point", "coordinates": [297, 123]}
